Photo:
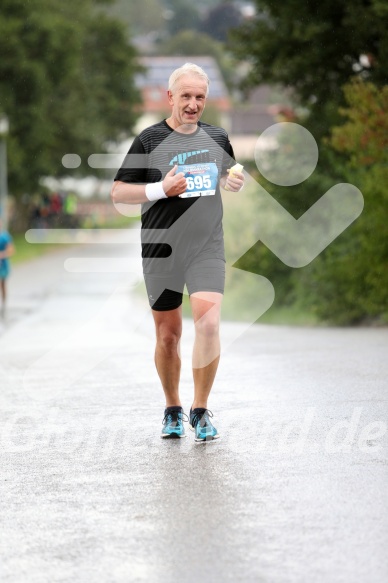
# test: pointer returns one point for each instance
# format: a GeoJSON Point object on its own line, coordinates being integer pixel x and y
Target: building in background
{"type": "Point", "coordinates": [252, 115]}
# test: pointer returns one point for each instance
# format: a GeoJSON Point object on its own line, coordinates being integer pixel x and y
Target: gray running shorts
{"type": "Point", "coordinates": [165, 290]}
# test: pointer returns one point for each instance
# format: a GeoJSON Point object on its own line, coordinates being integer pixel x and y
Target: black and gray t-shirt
{"type": "Point", "coordinates": [192, 223]}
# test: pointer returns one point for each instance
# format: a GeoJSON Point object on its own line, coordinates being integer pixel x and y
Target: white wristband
{"type": "Point", "coordinates": [154, 191]}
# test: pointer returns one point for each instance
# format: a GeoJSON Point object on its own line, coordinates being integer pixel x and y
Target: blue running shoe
{"type": "Point", "coordinates": [201, 424]}
{"type": "Point", "coordinates": [173, 422]}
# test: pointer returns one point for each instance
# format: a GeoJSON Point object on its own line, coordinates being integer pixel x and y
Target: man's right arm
{"type": "Point", "coordinates": [127, 193]}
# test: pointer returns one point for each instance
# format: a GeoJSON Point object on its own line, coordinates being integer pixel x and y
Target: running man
{"type": "Point", "coordinates": [178, 185]}
{"type": "Point", "coordinates": [6, 250]}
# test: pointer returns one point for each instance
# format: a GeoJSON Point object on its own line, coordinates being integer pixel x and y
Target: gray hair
{"type": "Point", "coordinates": [188, 69]}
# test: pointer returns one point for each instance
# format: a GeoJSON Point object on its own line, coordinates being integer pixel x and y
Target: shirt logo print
{"type": "Point", "coordinates": [181, 158]}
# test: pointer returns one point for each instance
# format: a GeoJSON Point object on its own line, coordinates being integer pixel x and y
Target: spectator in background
{"type": "Point", "coordinates": [70, 207]}
{"type": "Point", "coordinates": [6, 250]}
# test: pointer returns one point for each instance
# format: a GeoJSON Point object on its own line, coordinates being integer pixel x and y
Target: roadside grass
{"type": "Point", "coordinates": [280, 315]}
{"type": "Point", "coordinates": [289, 316]}
{"type": "Point", "coordinates": [233, 309]}
{"type": "Point", "coordinates": [25, 251]}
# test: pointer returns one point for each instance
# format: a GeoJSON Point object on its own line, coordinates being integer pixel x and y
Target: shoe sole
{"type": "Point", "coordinates": [171, 436]}
{"type": "Point", "coordinates": [207, 439]}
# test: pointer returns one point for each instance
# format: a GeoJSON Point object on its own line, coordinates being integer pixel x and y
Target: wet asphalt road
{"type": "Point", "coordinates": [294, 491]}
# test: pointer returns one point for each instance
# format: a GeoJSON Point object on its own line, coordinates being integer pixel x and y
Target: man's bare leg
{"type": "Point", "coordinates": [168, 326]}
{"type": "Point", "coordinates": [206, 308]}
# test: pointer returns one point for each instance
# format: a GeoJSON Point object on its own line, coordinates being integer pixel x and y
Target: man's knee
{"type": "Point", "coordinates": [168, 335]}
{"type": "Point", "coordinates": [208, 326]}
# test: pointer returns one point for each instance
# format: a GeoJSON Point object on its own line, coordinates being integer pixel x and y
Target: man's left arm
{"type": "Point", "coordinates": [234, 182]}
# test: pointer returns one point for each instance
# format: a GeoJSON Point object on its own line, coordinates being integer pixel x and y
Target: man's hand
{"type": "Point", "coordinates": [174, 184]}
{"type": "Point", "coordinates": [233, 183]}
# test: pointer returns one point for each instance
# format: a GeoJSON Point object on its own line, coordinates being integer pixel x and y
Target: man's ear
{"type": "Point", "coordinates": [170, 97]}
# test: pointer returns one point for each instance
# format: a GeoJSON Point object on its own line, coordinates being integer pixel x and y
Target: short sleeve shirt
{"type": "Point", "coordinates": [5, 240]}
{"type": "Point", "coordinates": [192, 224]}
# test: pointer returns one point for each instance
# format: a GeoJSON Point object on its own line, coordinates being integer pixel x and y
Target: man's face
{"type": "Point", "coordinates": [187, 100]}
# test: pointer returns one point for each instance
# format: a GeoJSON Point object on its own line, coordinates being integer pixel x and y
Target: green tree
{"type": "Point", "coordinates": [139, 17]}
{"type": "Point", "coordinates": [66, 84]}
{"type": "Point", "coordinates": [183, 14]}
{"type": "Point", "coordinates": [315, 47]}
{"type": "Point", "coordinates": [349, 282]}
{"type": "Point", "coordinates": [221, 19]}
{"type": "Point", "coordinates": [193, 43]}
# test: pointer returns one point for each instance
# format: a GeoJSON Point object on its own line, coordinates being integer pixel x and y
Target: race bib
{"type": "Point", "coordinates": [201, 179]}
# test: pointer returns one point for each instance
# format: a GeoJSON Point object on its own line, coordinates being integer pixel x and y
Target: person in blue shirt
{"type": "Point", "coordinates": [6, 250]}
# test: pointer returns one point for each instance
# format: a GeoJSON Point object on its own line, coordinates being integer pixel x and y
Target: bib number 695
{"type": "Point", "coordinates": [198, 182]}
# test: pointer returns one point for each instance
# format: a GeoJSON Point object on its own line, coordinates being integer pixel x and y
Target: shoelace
{"type": "Point", "coordinates": [172, 416]}
{"type": "Point", "coordinates": [202, 417]}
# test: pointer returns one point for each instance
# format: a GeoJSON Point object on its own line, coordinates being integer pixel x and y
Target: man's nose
{"type": "Point", "coordinates": [193, 103]}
